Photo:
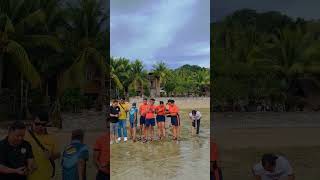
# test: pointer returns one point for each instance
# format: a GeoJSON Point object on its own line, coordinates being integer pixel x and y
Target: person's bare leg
{"type": "Point", "coordinates": [164, 129]}
{"type": "Point", "coordinates": [134, 134]}
{"type": "Point", "coordinates": [152, 132]}
{"type": "Point", "coordinates": [159, 129]}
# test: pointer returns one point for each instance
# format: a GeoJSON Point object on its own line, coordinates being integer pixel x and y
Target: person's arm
{"type": "Point", "coordinates": [96, 155]}
{"type": "Point", "coordinates": [7, 170]}
{"type": "Point", "coordinates": [256, 175]}
{"type": "Point", "coordinates": [31, 164]}
{"type": "Point", "coordinates": [55, 150]}
{"type": "Point", "coordinates": [135, 117]}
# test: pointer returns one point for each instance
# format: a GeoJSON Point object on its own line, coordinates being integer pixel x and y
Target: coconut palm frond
{"type": "Point", "coordinates": [21, 60]}
{"type": "Point", "coordinates": [51, 42]}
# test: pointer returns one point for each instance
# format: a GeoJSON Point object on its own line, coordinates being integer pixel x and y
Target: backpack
{"type": "Point", "coordinates": [71, 156]}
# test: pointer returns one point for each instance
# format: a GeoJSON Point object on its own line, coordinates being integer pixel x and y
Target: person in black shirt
{"type": "Point", "coordinates": [16, 157]}
{"type": "Point", "coordinates": [114, 118]}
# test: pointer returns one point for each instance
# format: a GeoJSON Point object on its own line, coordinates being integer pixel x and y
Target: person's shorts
{"type": "Point", "coordinates": [142, 120]}
{"type": "Point", "coordinates": [133, 124]}
{"type": "Point", "coordinates": [161, 118]}
{"type": "Point", "coordinates": [114, 128]}
{"type": "Point", "coordinates": [150, 122]}
{"type": "Point", "coordinates": [175, 121]}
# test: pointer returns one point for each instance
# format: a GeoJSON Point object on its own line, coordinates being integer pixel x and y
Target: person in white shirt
{"type": "Point", "coordinates": [195, 117]}
{"type": "Point", "coordinates": [273, 167]}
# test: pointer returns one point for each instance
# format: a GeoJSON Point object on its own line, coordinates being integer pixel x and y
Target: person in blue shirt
{"type": "Point", "coordinates": [133, 116]}
{"type": "Point", "coordinates": [74, 159]}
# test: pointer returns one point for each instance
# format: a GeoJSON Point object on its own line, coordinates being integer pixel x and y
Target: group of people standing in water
{"type": "Point", "coordinates": [150, 115]}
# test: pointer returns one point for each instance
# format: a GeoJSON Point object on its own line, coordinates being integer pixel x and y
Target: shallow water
{"type": "Point", "coordinates": [185, 159]}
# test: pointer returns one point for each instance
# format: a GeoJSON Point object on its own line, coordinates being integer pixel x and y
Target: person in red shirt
{"type": "Point", "coordinates": [173, 112]}
{"type": "Point", "coordinates": [150, 120]}
{"type": "Point", "coordinates": [142, 112]}
{"type": "Point", "coordinates": [215, 171]}
{"type": "Point", "coordinates": [101, 156]}
{"type": "Point", "coordinates": [161, 120]}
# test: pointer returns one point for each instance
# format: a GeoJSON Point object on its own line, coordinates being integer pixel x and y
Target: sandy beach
{"type": "Point", "coordinates": [244, 137]}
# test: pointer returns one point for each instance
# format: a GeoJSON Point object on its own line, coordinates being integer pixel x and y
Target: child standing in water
{"type": "Point", "coordinates": [133, 116]}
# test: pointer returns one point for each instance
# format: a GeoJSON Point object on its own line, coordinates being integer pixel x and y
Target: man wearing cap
{"type": "Point", "coordinates": [75, 157]}
{"type": "Point", "coordinates": [44, 147]}
{"type": "Point", "coordinates": [122, 123]}
{"type": "Point", "coordinates": [195, 117]}
{"type": "Point", "coordinates": [273, 167]}
{"type": "Point", "coordinates": [16, 156]}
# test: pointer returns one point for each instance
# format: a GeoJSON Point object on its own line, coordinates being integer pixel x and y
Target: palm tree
{"type": "Point", "coordinates": [160, 69]}
{"type": "Point", "coordinates": [287, 54]}
{"type": "Point", "coordinates": [86, 38]}
{"type": "Point", "coordinates": [138, 76]}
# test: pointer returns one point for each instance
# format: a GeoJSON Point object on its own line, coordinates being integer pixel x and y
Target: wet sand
{"type": "Point", "coordinates": [244, 137]}
{"type": "Point", "coordinates": [186, 159]}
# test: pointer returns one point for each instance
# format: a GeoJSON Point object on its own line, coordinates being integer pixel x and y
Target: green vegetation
{"type": "Point", "coordinates": [50, 43]}
{"type": "Point", "coordinates": [131, 78]}
{"type": "Point", "coordinates": [264, 58]}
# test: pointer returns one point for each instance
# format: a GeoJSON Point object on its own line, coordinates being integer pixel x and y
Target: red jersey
{"type": "Point", "coordinates": [161, 110]}
{"type": "Point", "coordinates": [173, 110]}
{"type": "Point", "coordinates": [151, 110]}
{"type": "Point", "coordinates": [143, 109]}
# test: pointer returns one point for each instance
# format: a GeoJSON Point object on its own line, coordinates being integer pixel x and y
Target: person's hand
{"type": "Point", "coordinates": [21, 171]}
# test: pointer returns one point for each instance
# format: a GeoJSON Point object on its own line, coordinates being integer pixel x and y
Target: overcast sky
{"type": "Point", "coordinates": [174, 31]}
{"type": "Point", "coordinates": [308, 9]}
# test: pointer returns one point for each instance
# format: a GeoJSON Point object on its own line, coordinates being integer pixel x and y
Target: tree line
{"type": "Point", "coordinates": [130, 77]}
{"type": "Point", "coordinates": [45, 40]}
{"type": "Point", "coordinates": [266, 59]}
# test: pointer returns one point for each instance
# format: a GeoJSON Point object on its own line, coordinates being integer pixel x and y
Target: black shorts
{"type": "Point", "coordinates": [161, 118]}
{"type": "Point", "coordinates": [142, 120]}
{"type": "Point", "coordinates": [175, 121]}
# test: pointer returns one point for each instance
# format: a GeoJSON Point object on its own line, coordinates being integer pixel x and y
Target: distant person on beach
{"type": "Point", "coordinates": [173, 112]}
{"type": "Point", "coordinates": [122, 123]}
{"type": "Point", "coordinates": [75, 157]}
{"type": "Point", "coordinates": [150, 119]}
{"type": "Point", "coordinates": [114, 118]}
{"type": "Point", "coordinates": [44, 146]}
{"type": "Point", "coordinates": [195, 117]}
{"type": "Point", "coordinates": [133, 116]}
{"type": "Point", "coordinates": [101, 156]}
{"type": "Point", "coordinates": [16, 156]}
{"type": "Point", "coordinates": [273, 167]}
{"type": "Point", "coordinates": [142, 112]}
{"type": "Point", "coordinates": [161, 120]}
